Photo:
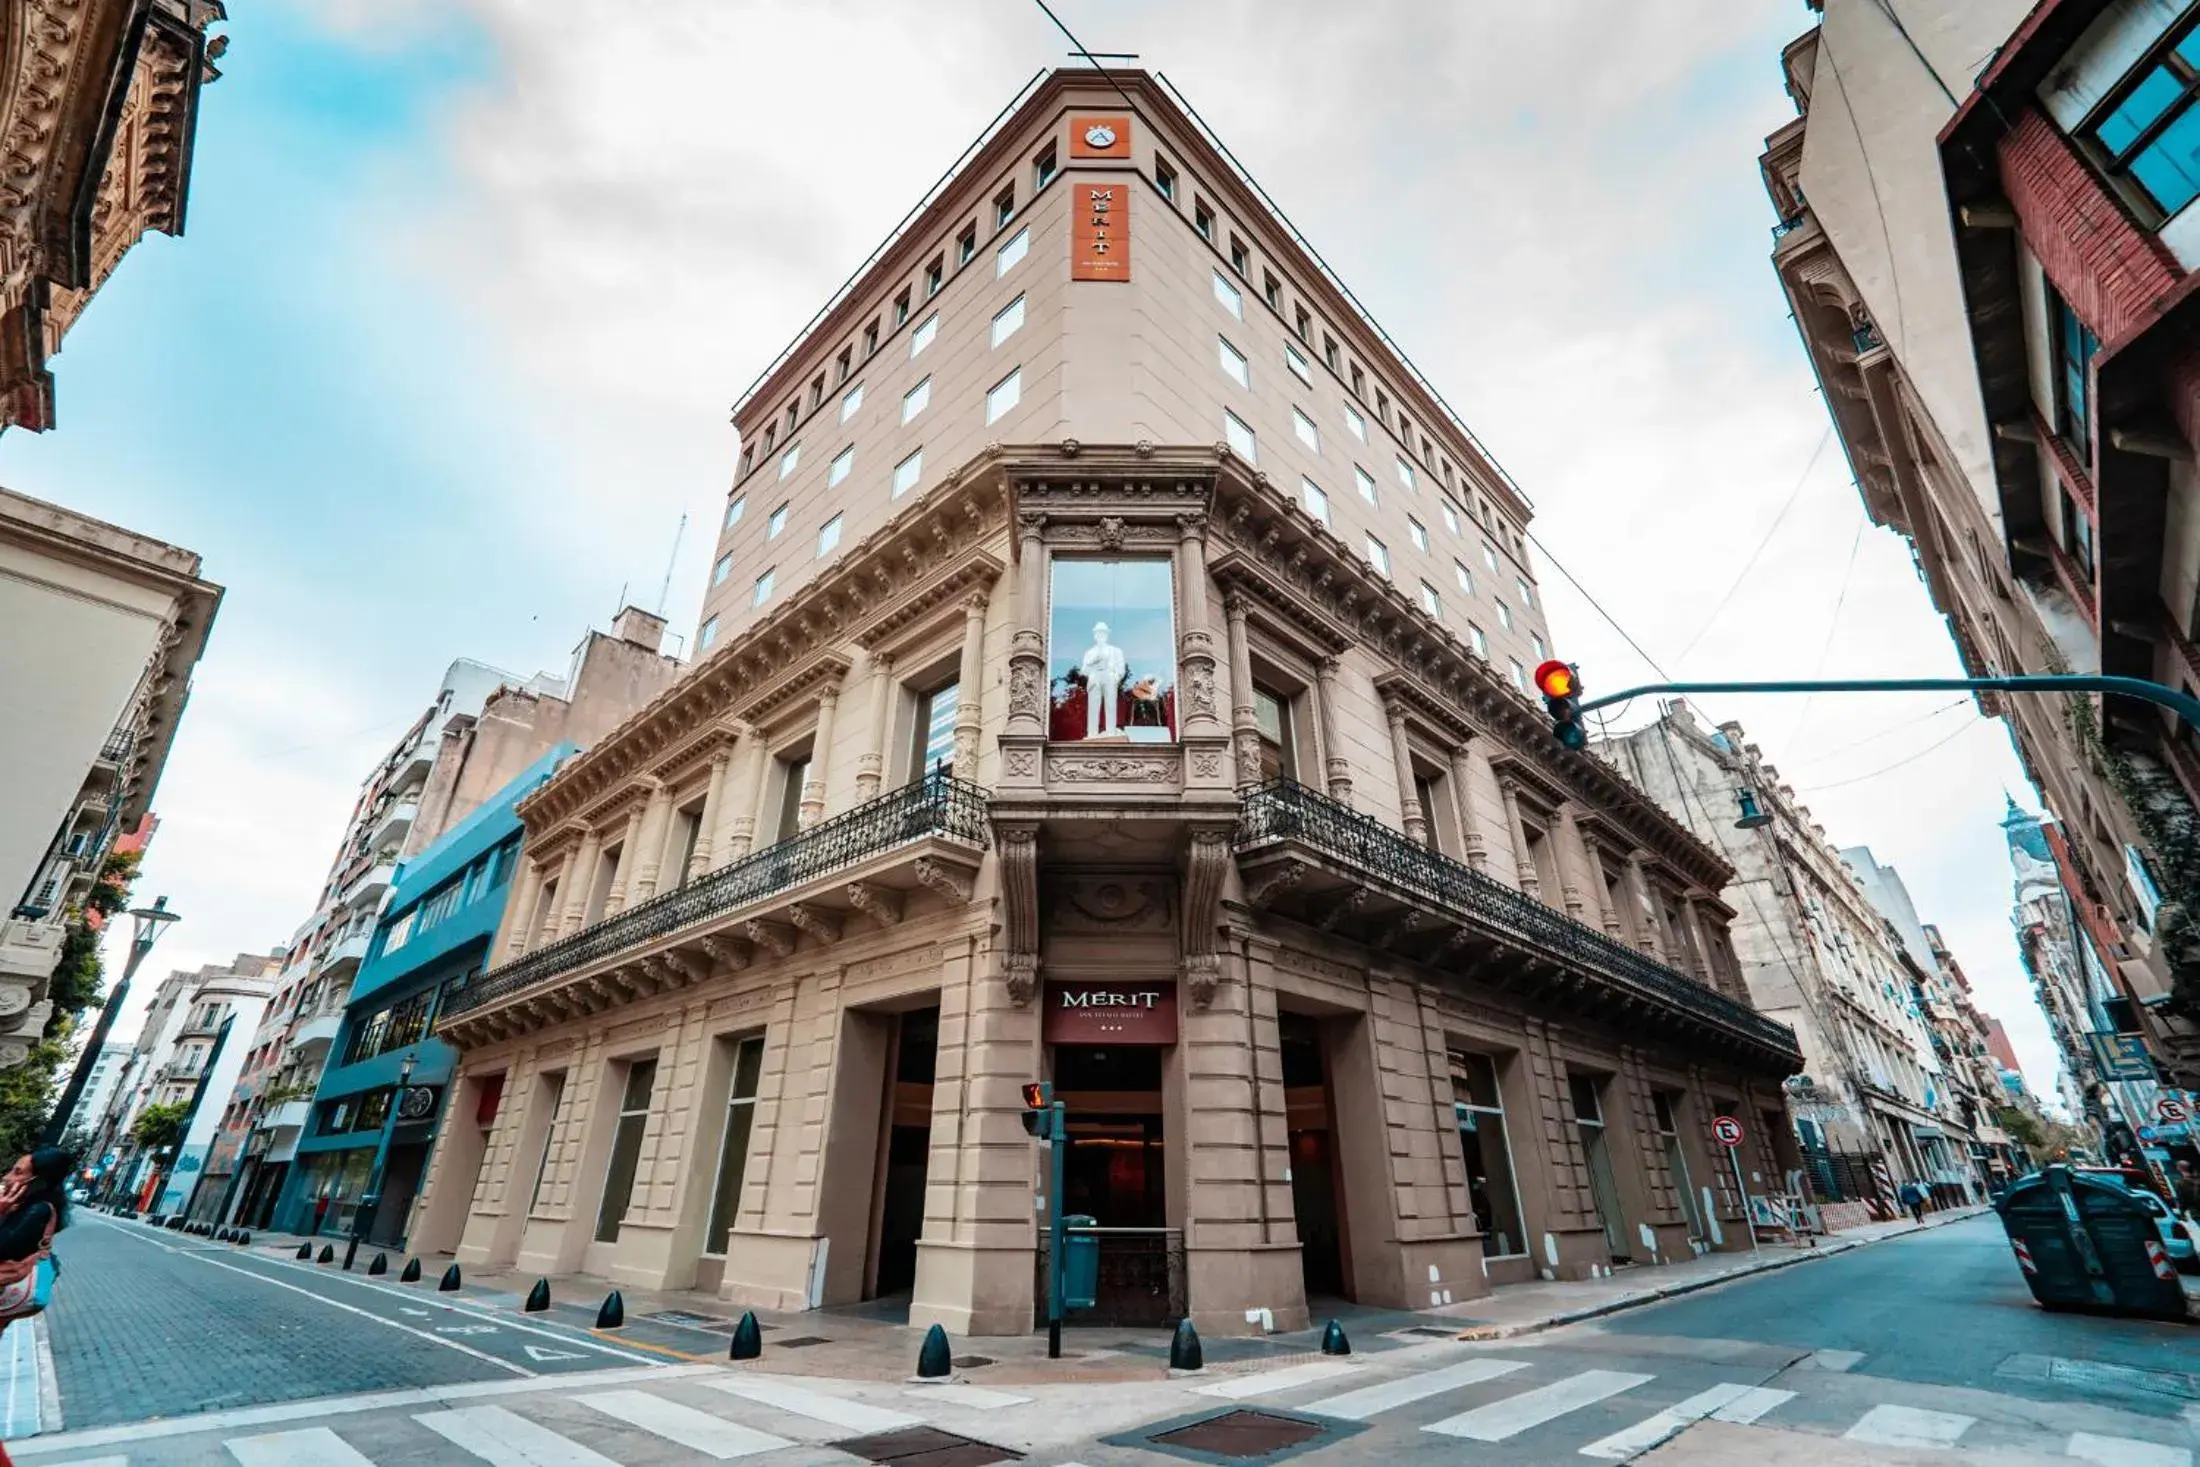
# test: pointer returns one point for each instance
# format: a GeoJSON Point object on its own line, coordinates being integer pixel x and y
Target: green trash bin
{"type": "Point", "coordinates": [1080, 1262]}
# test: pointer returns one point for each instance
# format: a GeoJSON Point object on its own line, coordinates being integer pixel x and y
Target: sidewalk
{"type": "Point", "coordinates": [872, 1342]}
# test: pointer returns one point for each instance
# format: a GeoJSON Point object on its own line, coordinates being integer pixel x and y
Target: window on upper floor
{"type": "Point", "coordinates": [1164, 179]}
{"type": "Point", "coordinates": [722, 569]}
{"type": "Point", "coordinates": [1535, 645]}
{"type": "Point", "coordinates": [1329, 352]}
{"type": "Point", "coordinates": [1203, 220]}
{"type": "Point", "coordinates": [2146, 133]}
{"type": "Point", "coordinates": [1489, 555]}
{"type": "Point", "coordinates": [907, 472]}
{"type": "Point", "coordinates": [789, 460]}
{"type": "Point", "coordinates": [2074, 345]}
{"type": "Point", "coordinates": [706, 635]}
{"type": "Point", "coordinates": [817, 391]}
{"type": "Point", "coordinates": [1233, 362]}
{"type": "Point", "coordinates": [776, 523]}
{"type": "Point", "coordinates": [1271, 291]}
{"type": "Point", "coordinates": [1228, 295]}
{"type": "Point", "coordinates": [934, 274]}
{"type": "Point", "coordinates": [1004, 207]}
{"type": "Point", "coordinates": [915, 399]}
{"type": "Point", "coordinates": [1419, 532]}
{"type": "Point", "coordinates": [1431, 602]}
{"type": "Point", "coordinates": [2077, 533]}
{"type": "Point", "coordinates": [1300, 367]}
{"type": "Point", "coordinates": [921, 338]}
{"type": "Point", "coordinates": [1378, 555]}
{"type": "Point", "coordinates": [1303, 427]}
{"type": "Point", "coordinates": [1406, 476]}
{"type": "Point", "coordinates": [966, 245]}
{"type": "Point", "coordinates": [1272, 719]}
{"type": "Point", "coordinates": [735, 510]}
{"type": "Point", "coordinates": [1043, 169]}
{"type": "Point", "coordinates": [1011, 252]}
{"type": "Point", "coordinates": [1317, 502]}
{"type": "Point", "coordinates": [1239, 437]}
{"type": "Point", "coordinates": [1478, 640]}
{"type": "Point", "coordinates": [843, 463]}
{"type": "Point", "coordinates": [1359, 384]}
{"type": "Point", "coordinates": [1354, 420]}
{"type": "Point", "coordinates": [1111, 650]}
{"type": "Point", "coordinates": [1451, 516]}
{"type": "Point", "coordinates": [870, 338]}
{"type": "Point", "coordinates": [1004, 395]}
{"type": "Point", "coordinates": [1463, 576]}
{"type": "Point", "coordinates": [1241, 259]}
{"type": "Point", "coordinates": [1302, 323]}
{"type": "Point", "coordinates": [828, 537]}
{"type": "Point", "coordinates": [761, 592]}
{"type": "Point", "coordinates": [1527, 592]}
{"type": "Point", "coordinates": [748, 460]}
{"type": "Point", "coordinates": [794, 416]}
{"type": "Point", "coordinates": [1365, 483]}
{"type": "Point", "coordinates": [850, 401]}
{"type": "Point", "coordinates": [1504, 615]}
{"type": "Point", "coordinates": [901, 308]}
{"type": "Point", "coordinates": [1519, 673]}
{"type": "Point", "coordinates": [1008, 320]}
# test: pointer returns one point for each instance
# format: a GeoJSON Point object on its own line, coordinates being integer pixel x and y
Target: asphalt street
{"type": "Point", "coordinates": [1921, 1349]}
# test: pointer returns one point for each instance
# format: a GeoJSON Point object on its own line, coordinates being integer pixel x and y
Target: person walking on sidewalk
{"type": "Point", "coordinates": [2187, 1189]}
{"type": "Point", "coordinates": [34, 1206]}
{"type": "Point", "coordinates": [1913, 1199]}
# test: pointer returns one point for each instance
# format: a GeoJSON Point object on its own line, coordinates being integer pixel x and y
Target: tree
{"type": "Point", "coordinates": [2026, 1130]}
{"type": "Point", "coordinates": [159, 1126]}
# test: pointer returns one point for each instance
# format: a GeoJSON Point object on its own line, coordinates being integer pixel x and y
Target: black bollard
{"type": "Point", "coordinates": [411, 1275]}
{"type": "Point", "coordinates": [449, 1283]}
{"type": "Point", "coordinates": [1184, 1348]}
{"type": "Point", "coordinates": [538, 1298]}
{"type": "Point", "coordinates": [934, 1360]}
{"type": "Point", "coordinates": [305, 1250]}
{"type": "Point", "coordinates": [748, 1339]}
{"type": "Point", "coordinates": [379, 1265]}
{"type": "Point", "coordinates": [327, 1254]}
{"type": "Point", "coordinates": [244, 1240]}
{"type": "Point", "coordinates": [613, 1313]}
{"type": "Point", "coordinates": [1333, 1340]}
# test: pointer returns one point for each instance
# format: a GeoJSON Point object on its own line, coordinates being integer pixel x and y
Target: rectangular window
{"type": "Point", "coordinates": [707, 635]}
{"type": "Point", "coordinates": [1228, 294]}
{"type": "Point", "coordinates": [1378, 555]}
{"type": "Point", "coordinates": [850, 401]}
{"type": "Point", "coordinates": [626, 1148]}
{"type": "Point", "coordinates": [1317, 502]}
{"type": "Point", "coordinates": [870, 338]}
{"type": "Point", "coordinates": [1299, 365]}
{"type": "Point", "coordinates": [748, 460]}
{"type": "Point", "coordinates": [1011, 254]}
{"type": "Point", "coordinates": [921, 338]}
{"type": "Point", "coordinates": [1431, 602]}
{"type": "Point", "coordinates": [1008, 320]}
{"type": "Point", "coordinates": [1043, 169]}
{"type": "Point", "coordinates": [1359, 384]}
{"type": "Point", "coordinates": [1239, 437]}
{"type": "Point", "coordinates": [1519, 674]}
{"type": "Point", "coordinates": [722, 569]}
{"type": "Point", "coordinates": [1233, 362]}
{"type": "Point", "coordinates": [934, 732]}
{"type": "Point", "coordinates": [1489, 555]}
{"type": "Point", "coordinates": [1366, 484]}
{"type": "Point", "coordinates": [916, 399]}
{"type": "Point", "coordinates": [1272, 717]}
{"type": "Point", "coordinates": [1451, 517]}
{"type": "Point", "coordinates": [817, 391]}
{"type": "Point", "coordinates": [762, 592]}
{"type": "Point", "coordinates": [1535, 645]}
{"type": "Point", "coordinates": [789, 460]}
{"type": "Point", "coordinates": [1302, 323]}
{"type": "Point", "coordinates": [828, 536]}
{"type": "Point", "coordinates": [1203, 220]}
{"type": "Point", "coordinates": [2149, 132]}
{"type": "Point", "coordinates": [777, 523]}
{"type": "Point", "coordinates": [843, 365]}
{"type": "Point", "coordinates": [1004, 207]}
{"type": "Point", "coordinates": [1111, 659]}
{"type": "Point", "coordinates": [1329, 352]}
{"type": "Point", "coordinates": [1308, 434]}
{"type": "Point", "coordinates": [934, 273]}
{"type": "Point", "coordinates": [907, 472]}
{"type": "Point", "coordinates": [901, 308]}
{"type": "Point", "coordinates": [1240, 257]}
{"type": "Point", "coordinates": [1271, 291]}
{"type": "Point", "coordinates": [2074, 347]}
{"type": "Point", "coordinates": [1527, 596]}
{"type": "Point", "coordinates": [1405, 475]}
{"type": "Point", "coordinates": [1479, 1108]}
{"type": "Point", "coordinates": [2077, 534]}
{"type": "Point", "coordinates": [1164, 180]}
{"type": "Point", "coordinates": [1004, 395]}
{"type": "Point", "coordinates": [733, 1146]}
{"type": "Point", "coordinates": [843, 463]}
{"type": "Point", "coordinates": [1356, 422]}
{"type": "Point", "coordinates": [1418, 531]}
{"type": "Point", "coordinates": [1463, 576]}
{"type": "Point", "coordinates": [1479, 641]}
{"type": "Point", "coordinates": [1504, 615]}
{"type": "Point", "coordinates": [793, 775]}
{"type": "Point", "coordinates": [966, 245]}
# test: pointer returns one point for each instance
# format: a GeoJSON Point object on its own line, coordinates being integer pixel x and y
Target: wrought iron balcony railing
{"type": "Point", "coordinates": [1286, 810]}
{"type": "Point", "coordinates": [936, 805]}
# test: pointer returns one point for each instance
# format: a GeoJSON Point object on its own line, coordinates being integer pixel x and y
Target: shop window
{"type": "Point", "coordinates": [733, 1149]}
{"type": "Point", "coordinates": [933, 741]}
{"type": "Point", "coordinates": [1272, 714]}
{"type": "Point", "coordinates": [626, 1148]}
{"type": "Point", "coordinates": [1111, 637]}
{"type": "Point", "coordinates": [1479, 1108]}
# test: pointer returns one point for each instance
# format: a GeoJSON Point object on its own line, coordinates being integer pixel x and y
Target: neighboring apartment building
{"type": "Point", "coordinates": [1113, 674]}
{"type": "Point", "coordinates": [483, 729]}
{"type": "Point", "coordinates": [99, 101]}
{"type": "Point", "coordinates": [1817, 956]}
{"type": "Point", "coordinates": [109, 1067]}
{"type": "Point", "coordinates": [1992, 283]}
{"type": "Point", "coordinates": [100, 629]}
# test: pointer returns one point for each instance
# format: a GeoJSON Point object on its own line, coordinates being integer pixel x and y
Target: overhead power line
{"type": "Point", "coordinates": [1770, 530]}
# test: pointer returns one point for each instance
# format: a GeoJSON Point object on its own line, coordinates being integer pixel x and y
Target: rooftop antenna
{"type": "Point", "coordinates": [665, 590]}
{"type": "Point", "coordinates": [621, 606]}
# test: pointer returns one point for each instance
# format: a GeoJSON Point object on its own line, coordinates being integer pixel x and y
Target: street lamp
{"type": "Point", "coordinates": [146, 926]}
{"type": "Point", "coordinates": [370, 1202]}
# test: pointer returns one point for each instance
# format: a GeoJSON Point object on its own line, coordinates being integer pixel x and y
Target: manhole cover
{"type": "Point", "coordinates": [926, 1446]}
{"type": "Point", "coordinates": [800, 1340]}
{"type": "Point", "coordinates": [971, 1362]}
{"type": "Point", "coordinates": [682, 1316]}
{"type": "Point", "coordinates": [1241, 1434]}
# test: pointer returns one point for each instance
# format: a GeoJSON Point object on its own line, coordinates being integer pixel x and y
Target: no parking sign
{"type": "Point", "coordinates": [1727, 1131]}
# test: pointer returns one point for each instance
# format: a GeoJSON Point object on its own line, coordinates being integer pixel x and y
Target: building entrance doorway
{"type": "Point", "coordinates": [904, 1150]}
{"type": "Point", "coordinates": [1311, 1126]}
{"type": "Point", "coordinates": [1114, 1171]}
{"type": "Point", "coordinates": [1603, 1186]}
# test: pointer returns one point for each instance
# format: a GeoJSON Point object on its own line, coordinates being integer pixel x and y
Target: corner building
{"type": "Point", "coordinates": [1114, 672]}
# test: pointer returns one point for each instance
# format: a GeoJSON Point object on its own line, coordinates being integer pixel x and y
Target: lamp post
{"type": "Point", "coordinates": [147, 923]}
{"type": "Point", "coordinates": [370, 1202]}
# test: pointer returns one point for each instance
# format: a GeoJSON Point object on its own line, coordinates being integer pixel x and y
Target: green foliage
{"type": "Point", "coordinates": [2026, 1130]}
{"type": "Point", "coordinates": [2171, 829]}
{"type": "Point", "coordinates": [111, 893]}
{"type": "Point", "coordinates": [26, 1094]}
{"type": "Point", "coordinates": [76, 981]}
{"type": "Point", "coordinates": [159, 1126]}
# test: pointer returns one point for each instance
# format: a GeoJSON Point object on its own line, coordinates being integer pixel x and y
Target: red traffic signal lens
{"type": "Point", "coordinates": [1036, 1097]}
{"type": "Point", "coordinates": [1554, 679]}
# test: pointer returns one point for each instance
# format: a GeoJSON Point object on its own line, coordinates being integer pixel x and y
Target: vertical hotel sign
{"type": "Point", "coordinates": [1100, 235]}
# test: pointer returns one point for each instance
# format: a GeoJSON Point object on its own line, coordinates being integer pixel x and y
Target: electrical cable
{"type": "Point", "coordinates": [1891, 728]}
{"type": "Point", "coordinates": [1889, 768]}
{"type": "Point", "coordinates": [1771, 530]}
{"type": "Point", "coordinates": [1833, 627]}
{"type": "Point", "coordinates": [1597, 608]}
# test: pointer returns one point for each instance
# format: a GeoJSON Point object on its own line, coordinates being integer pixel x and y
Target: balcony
{"type": "Point", "coordinates": [316, 1030]}
{"type": "Point", "coordinates": [346, 954]}
{"type": "Point", "coordinates": [1309, 858]}
{"type": "Point", "coordinates": [390, 826]}
{"type": "Point", "coordinates": [364, 891]}
{"type": "Point", "coordinates": [291, 1115]}
{"type": "Point", "coordinates": [864, 863]}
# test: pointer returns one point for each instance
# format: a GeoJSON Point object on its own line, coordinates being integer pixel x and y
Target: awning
{"type": "Point", "coordinates": [1928, 1133]}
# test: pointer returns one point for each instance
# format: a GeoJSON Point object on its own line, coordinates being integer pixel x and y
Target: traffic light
{"type": "Point", "coordinates": [1560, 686]}
{"type": "Point", "coordinates": [1039, 1110]}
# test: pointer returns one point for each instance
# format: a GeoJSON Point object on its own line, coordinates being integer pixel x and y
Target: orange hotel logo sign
{"type": "Point", "coordinates": [1100, 234]}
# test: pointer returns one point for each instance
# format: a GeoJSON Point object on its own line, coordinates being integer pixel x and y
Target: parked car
{"type": "Point", "coordinates": [2176, 1241]}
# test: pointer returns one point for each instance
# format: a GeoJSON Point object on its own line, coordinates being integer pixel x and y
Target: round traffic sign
{"type": "Point", "coordinates": [2172, 1112]}
{"type": "Point", "coordinates": [1727, 1131]}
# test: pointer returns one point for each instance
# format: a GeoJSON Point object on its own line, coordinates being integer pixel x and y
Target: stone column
{"type": "Point", "coordinates": [1569, 842]}
{"type": "Point", "coordinates": [1639, 879]}
{"type": "Point", "coordinates": [1027, 661]}
{"type": "Point", "coordinates": [622, 875]}
{"type": "Point", "coordinates": [1244, 716]}
{"type": "Point", "coordinates": [1699, 951]}
{"type": "Point", "coordinates": [1410, 818]}
{"type": "Point", "coordinates": [551, 925]}
{"type": "Point", "coordinates": [1529, 882]}
{"type": "Point", "coordinates": [651, 842]}
{"type": "Point", "coordinates": [1336, 766]}
{"type": "Point", "coordinates": [706, 828]}
{"type": "Point", "coordinates": [1462, 796]}
{"type": "Point", "coordinates": [737, 817]}
{"type": "Point", "coordinates": [821, 748]}
{"type": "Point", "coordinates": [871, 767]}
{"type": "Point", "coordinates": [970, 687]}
{"type": "Point", "coordinates": [1198, 707]}
{"type": "Point", "coordinates": [573, 896]}
{"type": "Point", "coordinates": [1606, 918]}
{"type": "Point", "coordinates": [520, 910]}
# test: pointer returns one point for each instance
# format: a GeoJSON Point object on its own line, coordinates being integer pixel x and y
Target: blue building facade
{"type": "Point", "coordinates": [435, 931]}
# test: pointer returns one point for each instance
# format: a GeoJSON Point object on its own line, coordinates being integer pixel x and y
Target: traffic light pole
{"type": "Point", "coordinates": [2130, 687]}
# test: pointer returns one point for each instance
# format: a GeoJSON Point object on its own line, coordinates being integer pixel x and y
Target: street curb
{"type": "Point", "coordinates": [1694, 1286]}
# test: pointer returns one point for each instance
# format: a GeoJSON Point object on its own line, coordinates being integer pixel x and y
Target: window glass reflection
{"type": "Point", "coordinates": [1111, 661]}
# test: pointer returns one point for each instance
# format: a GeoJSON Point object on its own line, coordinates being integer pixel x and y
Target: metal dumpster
{"type": "Point", "coordinates": [2084, 1242]}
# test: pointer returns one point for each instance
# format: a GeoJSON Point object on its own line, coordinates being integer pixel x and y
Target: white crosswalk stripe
{"type": "Point", "coordinates": [1369, 1401]}
{"type": "Point", "coordinates": [314, 1447]}
{"type": "Point", "coordinates": [1515, 1414]}
{"type": "Point", "coordinates": [699, 1431]}
{"type": "Point", "coordinates": [1907, 1426]}
{"type": "Point", "coordinates": [1268, 1382]}
{"type": "Point", "coordinates": [834, 1411]}
{"type": "Point", "coordinates": [978, 1398]}
{"type": "Point", "coordinates": [503, 1439]}
{"type": "Point", "coordinates": [2124, 1451]}
{"type": "Point", "coordinates": [1738, 1404]}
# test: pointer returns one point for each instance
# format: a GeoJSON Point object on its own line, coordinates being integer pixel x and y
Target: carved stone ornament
{"type": "Point", "coordinates": [1112, 769]}
{"type": "Point", "coordinates": [1199, 677]}
{"type": "Point", "coordinates": [1022, 763]}
{"type": "Point", "coordinates": [771, 936]}
{"type": "Point", "coordinates": [1021, 973]}
{"type": "Point", "coordinates": [876, 902]}
{"type": "Point", "coordinates": [1111, 532]}
{"type": "Point", "coordinates": [1248, 757]}
{"type": "Point", "coordinates": [1206, 763]}
{"type": "Point", "coordinates": [1275, 883]}
{"type": "Point", "coordinates": [949, 881]}
{"type": "Point", "coordinates": [1118, 902]}
{"type": "Point", "coordinates": [819, 923]}
{"type": "Point", "coordinates": [1026, 679]}
{"type": "Point", "coordinates": [1201, 974]}
{"type": "Point", "coordinates": [726, 952]}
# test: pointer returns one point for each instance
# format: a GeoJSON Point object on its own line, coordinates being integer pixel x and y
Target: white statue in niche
{"type": "Point", "coordinates": [1103, 667]}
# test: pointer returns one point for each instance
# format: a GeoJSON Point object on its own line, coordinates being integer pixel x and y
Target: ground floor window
{"type": "Point", "coordinates": [1666, 1108]}
{"type": "Point", "coordinates": [626, 1148]}
{"type": "Point", "coordinates": [553, 1087]}
{"type": "Point", "coordinates": [733, 1151]}
{"type": "Point", "coordinates": [1479, 1108]}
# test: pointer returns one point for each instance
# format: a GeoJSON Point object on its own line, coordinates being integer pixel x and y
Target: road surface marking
{"type": "Point", "coordinates": [1738, 1404]}
{"type": "Point", "coordinates": [1906, 1426]}
{"type": "Point", "coordinates": [125, 1462]}
{"type": "Point", "coordinates": [1268, 1382]}
{"type": "Point", "coordinates": [1515, 1414]}
{"type": "Point", "coordinates": [976, 1397]}
{"type": "Point", "coordinates": [1373, 1400]}
{"type": "Point", "coordinates": [19, 1417]}
{"type": "Point", "coordinates": [1836, 1359]}
{"type": "Point", "coordinates": [316, 1446]}
{"type": "Point", "coordinates": [537, 1352]}
{"type": "Point", "coordinates": [2123, 1451]}
{"type": "Point", "coordinates": [502, 1439]}
{"type": "Point", "coordinates": [698, 1431]}
{"type": "Point", "coordinates": [793, 1399]}
{"type": "Point", "coordinates": [245, 1417]}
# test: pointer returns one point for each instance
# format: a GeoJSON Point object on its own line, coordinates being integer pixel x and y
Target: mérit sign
{"type": "Point", "coordinates": [1110, 1013]}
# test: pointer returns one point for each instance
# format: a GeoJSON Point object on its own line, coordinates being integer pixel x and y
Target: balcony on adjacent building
{"type": "Point", "coordinates": [346, 953]}
{"type": "Point", "coordinates": [1311, 859]}
{"type": "Point", "coordinates": [290, 1115]}
{"type": "Point", "coordinates": [364, 891]}
{"type": "Point", "coordinates": [391, 825]}
{"type": "Point", "coordinates": [865, 863]}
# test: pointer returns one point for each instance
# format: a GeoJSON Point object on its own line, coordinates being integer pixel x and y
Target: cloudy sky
{"type": "Point", "coordinates": [468, 288]}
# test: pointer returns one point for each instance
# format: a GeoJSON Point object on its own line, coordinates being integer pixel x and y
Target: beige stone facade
{"type": "Point", "coordinates": [1095, 755]}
